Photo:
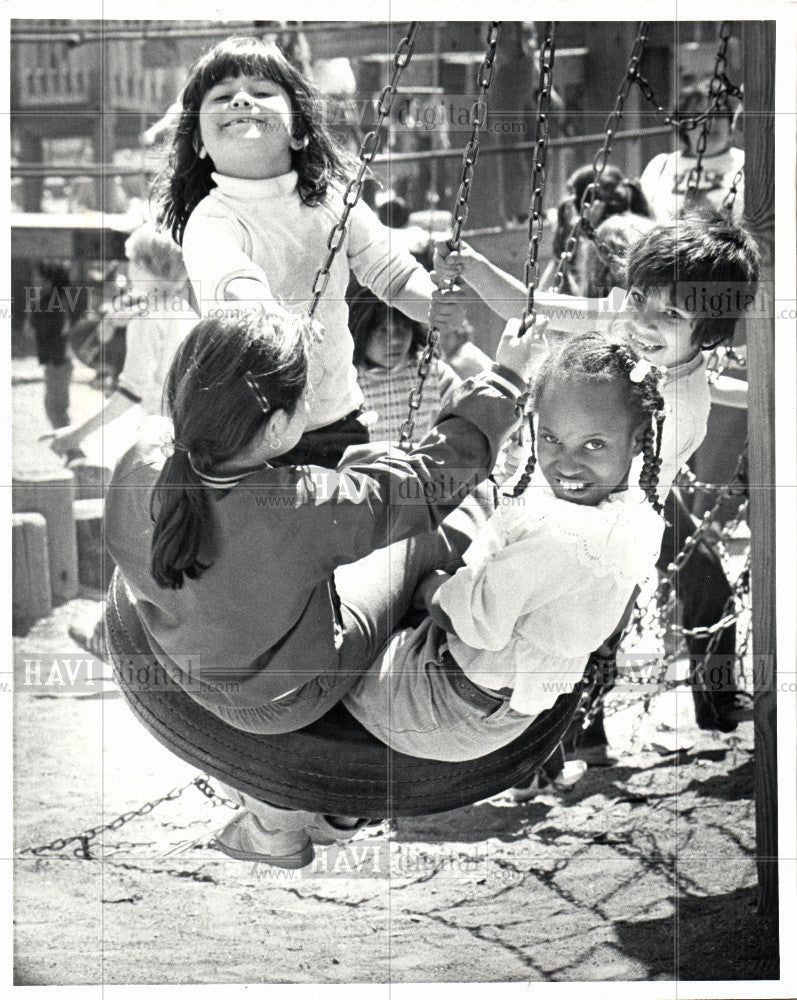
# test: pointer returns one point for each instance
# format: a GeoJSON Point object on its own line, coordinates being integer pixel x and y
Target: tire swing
{"type": "Point", "coordinates": [334, 765]}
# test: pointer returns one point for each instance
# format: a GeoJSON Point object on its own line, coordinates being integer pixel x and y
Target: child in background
{"type": "Point", "coordinates": [668, 320]}
{"type": "Point", "coordinates": [48, 312]}
{"type": "Point", "coordinates": [161, 319]}
{"type": "Point", "coordinates": [546, 578]}
{"type": "Point", "coordinates": [254, 188]}
{"type": "Point", "coordinates": [665, 180]}
{"type": "Point", "coordinates": [615, 195]}
{"type": "Point", "coordinates": [386, 349]}
{"type": "Point", "coordinates": [607, 255]}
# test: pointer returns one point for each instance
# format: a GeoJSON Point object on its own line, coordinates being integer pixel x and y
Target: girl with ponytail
{"type": "Point", "coordinates": [239, 559]}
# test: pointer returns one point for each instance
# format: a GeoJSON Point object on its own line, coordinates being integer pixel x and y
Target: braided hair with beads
{"type": "Point", "coordinates": [593, 356]}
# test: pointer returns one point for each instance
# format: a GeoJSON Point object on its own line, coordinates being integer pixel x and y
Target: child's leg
{"type": "Point", "coordinates": [376, 592]}
{"type": "Point", "coordinates": [703, 589]}
{"type": "Point", "coordinates": [417, 700]}
{"type": "Point", "coordinates": [57, 379]}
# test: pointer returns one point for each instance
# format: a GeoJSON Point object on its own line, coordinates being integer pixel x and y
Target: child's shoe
{"type": "Point", "coordinates": [246, 839]}
{"type": "Point", "coordinates": [89, 634]}
{"type": "Point", "coordinates": [325, 830]}
{"type": "Point", "coordinates": [565, 781]}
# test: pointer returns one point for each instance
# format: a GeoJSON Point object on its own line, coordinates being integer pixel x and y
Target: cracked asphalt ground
{"type": "Point", "coordinates": [645, 871]}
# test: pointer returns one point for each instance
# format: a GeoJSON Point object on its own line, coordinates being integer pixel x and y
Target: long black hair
{"type": "Point", "coordinates": [187, 179]}
{"type": "Point", "coordinates": [227, 378]}
{"type": "Point", "coordinates": [594, 356]}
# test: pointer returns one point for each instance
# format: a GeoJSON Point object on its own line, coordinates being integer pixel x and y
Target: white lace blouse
{"type": "Point", "coordinates": [544, 584]}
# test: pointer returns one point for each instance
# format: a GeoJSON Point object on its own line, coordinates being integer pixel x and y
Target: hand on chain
{"type": "Point", "coordinates": [447, 309]}
{"type": "Point", "coordinates": [522, 352]}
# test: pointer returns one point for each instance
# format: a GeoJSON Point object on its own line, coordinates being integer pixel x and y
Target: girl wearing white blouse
{"type": "Point", "coordinates": [547, 579]}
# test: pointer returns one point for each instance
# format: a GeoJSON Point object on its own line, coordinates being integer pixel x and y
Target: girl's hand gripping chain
{"type": "Point", "coordinates": [453, 264]}
{"type": "Point", "coordinates": [523, 352]}
{"type": "Point", "coordinates": [447, 311]}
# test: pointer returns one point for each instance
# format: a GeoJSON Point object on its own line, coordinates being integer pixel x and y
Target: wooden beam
{"type": "Point", "coordinates": [759, 211]}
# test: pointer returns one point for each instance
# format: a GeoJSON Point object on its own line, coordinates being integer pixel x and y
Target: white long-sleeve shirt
{"type": "Point", "coordinates": [543, 585]}
{"type": "Point", "coordinates": [261, 229]}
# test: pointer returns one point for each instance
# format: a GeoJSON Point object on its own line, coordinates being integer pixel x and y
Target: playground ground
{"type": "Point", "coordinates": [645, 871]}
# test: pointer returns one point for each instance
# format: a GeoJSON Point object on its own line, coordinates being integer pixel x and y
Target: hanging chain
{"type": "Point", "coordinates": [730, 198]}
{"type": "Point", "coordinates": [693, 121]}
{"type": "Point", "coordinates": [477, 117]}
{"type": "Point", "coordinates": [85, 838]}
{"type": "Point", "coordinates": [716, 95]}
{"type": "Point", "coordinates": [584, 223]}
{"type": "Point", "coordinates": [368, 150]}
{"type": "Point", "coordinates": [538, 177]}
{"type": "Point", "coordinates": [536, 214]}
{"type": "Point", "coordinates": [663, 602]}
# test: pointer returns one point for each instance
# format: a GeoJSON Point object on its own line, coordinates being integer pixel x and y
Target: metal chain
{"type": "Point", "coordinates": [478, 114]}
{"type": "Point", "coordinates": [536, 214]}
{"type": "Point", "coordinates": [716, 93]}
{"type": "Point", "coordinates": [730, 198]}
{"type": "Point", "coordinates": [368, 150]}
{"type": "Point", "coordinates": [726, 88]}
{"type": "Point", "coordinates": [584, 223]}
{"type": "Point", "coordinates": [85, 838]}
{"type": "Point", "coordinates": [593, 701]}
{"type": "Point", "coordinates": [538, 176]}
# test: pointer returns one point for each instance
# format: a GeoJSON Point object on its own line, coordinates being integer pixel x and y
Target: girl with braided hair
{"type": "Point", "coordinates": [547, 578]}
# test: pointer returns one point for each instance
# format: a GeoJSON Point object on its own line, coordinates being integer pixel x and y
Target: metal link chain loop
{"type": "Point", "coordinates": [584, 223]}
{"type": "Point", "coordinates": [85, 838]}
{"type": "Point", "coordinates": [730, 198]}
{"type": "Point", "coordinates": [716, 94]}
{"type": "Point", "coordinates": [538, 176]}
{"type": "Point", "coordinates": [368, 150]}
{"type": "Point", "coordinates": [477, 117]}
{"type": "Point", "coordinates": [663, 602]}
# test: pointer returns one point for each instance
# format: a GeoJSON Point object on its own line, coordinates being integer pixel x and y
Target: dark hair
{"type": "Point", "coordinates": [593, 355]}
{"type": "Point", "coordinates": [187, 178]}
{"type": "Point", "coordinates": [607, 255]}
{"type": "Point", "coordinates": [366, 313]}
{"type": "Point", "coordinates": [695, 251]}
{"type": "Point", "coordinates": [227, 378]}
{"type": "Point", "coordinates": [615, 194]}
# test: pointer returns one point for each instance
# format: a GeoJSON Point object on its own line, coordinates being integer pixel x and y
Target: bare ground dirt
{"type": "Point", "coordinates": [645, 871]}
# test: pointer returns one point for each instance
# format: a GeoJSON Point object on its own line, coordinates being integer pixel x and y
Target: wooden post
{"type": "Point", "coordinates": [30, 570]}
{"type": "Point", "coordinates": [52, 494]}
{"type": "Point", "coordinates": [759, 211]}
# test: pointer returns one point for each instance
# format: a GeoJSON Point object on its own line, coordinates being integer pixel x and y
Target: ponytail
{"type": "Point", "coordinates": [180, 508]}
{"type": "Point", "coordinates": [226, 379]}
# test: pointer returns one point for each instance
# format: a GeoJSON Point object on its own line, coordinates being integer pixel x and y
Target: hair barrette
{"type": "Point", "coordinates": [641, 370]}
{"type": "Point", "coordinates": [259, 394]}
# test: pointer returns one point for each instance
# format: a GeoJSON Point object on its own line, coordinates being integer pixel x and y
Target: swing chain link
{"type": "Point", "coordinates": [692, 121]}
{"type": "Point", "coordinates": [716, 97]}
{"type": "Point", "coordinates": [538, 175]}
{"type": "Point", "coordinates": [478, 115]}
{"type": "Point", "coordinates": [584, 222]}
{"type": "Point", "coordinates": [593, 701]}
{"type": "Point", "coordinates": [730, 198]}
{"type": "Point", "coordinates": [85, 838]}
{"type": "Point", "coordinates": [368, 150]}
